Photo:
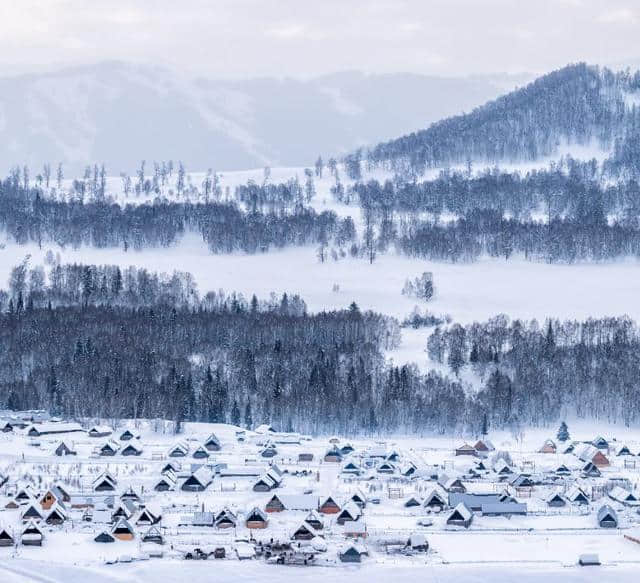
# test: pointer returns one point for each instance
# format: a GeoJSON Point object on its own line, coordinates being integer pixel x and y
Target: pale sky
{"type": "Point", "coordinates": [299, 38]}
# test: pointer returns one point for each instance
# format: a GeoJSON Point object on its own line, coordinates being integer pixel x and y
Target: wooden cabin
{"type": "Point", "coordinates": [100, 431]}
{"type": "Point", "coordinates": [153, 535]}
{"type": "Point", "coordinates": [178, 450]}
{"type": "Point", "coordinates": [304, 532]}
{"type": "Point", "coordinates": [198, 481]}
{"type": "Point", "coordinates": [333, 455]}
{"type": "Point", "coordinates": [57, 515]}
{"type": "Point", "coordinates": [6, 538]}
{"type": "Point", "coordinates": [129, 434]}
{"type": "Point", "coordinates": [226, 519]}
{"type": "Point", "coordinates": [329, 506]}
{"type": "Point", "coordinates": [484, 446]}
{"type": "Point", "coordinates": [351, 553]}
{"type": "Point", "coordinates": [350, 511]}
{"type": "Point", "coordinates": [212, 443]}
{"type": "Point", "coordinates": [105, 537]}
{"type": "Point", "coordinates": [63, 449]}
{"type": "Point", "coordinates": [460, 516]}
{"type": "Point", "coordinates": [110, 448]}
{"type": "Point", "coordinates": [305, 456]}
{"type": "Point", "coordinates": [466, 449]}
{"type": "Point", "coordinates": [132, 449]}
{"type": "Point", "coordinates": [548, 446]}
{"type": "Point", "coordinates": [256, 519]}
{"type": "Point", "coordinates": [32, 535]}
{"type": "Point", "coordinates": [607, 517]}
{"type": "Point", "coordinates": [122, 530]}
{"type": "Point", "coordinates": [200, 453]}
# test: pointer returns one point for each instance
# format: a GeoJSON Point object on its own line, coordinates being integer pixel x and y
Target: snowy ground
{"type": "Point", "coordinates": [19, 571]}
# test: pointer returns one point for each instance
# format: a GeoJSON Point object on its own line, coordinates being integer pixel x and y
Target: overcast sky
{"type": "Point", "coordinates": [248, 38]}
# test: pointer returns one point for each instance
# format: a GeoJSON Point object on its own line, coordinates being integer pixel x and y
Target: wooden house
{"type": "Point", "coordinates": [413, 501]}
{"type": "Point", "coordinates": [6, 538]}
{"type": "Point", "coordinates": [576, 495]}
{"type": "Point", "coordinates": [460, 516]}
{"type": "Point", "coordinates": [466, 449]}
{"type": "Point", "coordinates": [31, 512]}
{"type": "Point", "coordinates": [105, 537]}
{"type": "Point", "coordinates": [132, 449]}
{"type": "Point", "coordinates": [265, 483]}
{"type": "Point", "coordinates": [304, 532]}
{"type": "Point", "coordinates": [100, 431]}
{"type": "Point", "coordinates": [354, 529]}
{"type": "Point", "coordinates": [148, 516]}
{"type": "Point", "coordinates": [350, 511]}
{"type": "Point", "coordinates": [315, 520]}
{"type": "Point", "coordinates": [105, 482]}
{"type": "Point", "coordinates": [590, 470]}
{"type": "Point", "coordinates": [484, 446]}
{"type": "Point", "coordinates": [129, 434]}
{"type": "Point", "coordinates": [351, 467]}
{"type": "Point", "coordinates": [548, 446]}
{"type": "Point", "coordinates": [607, 517]}
{"type": "Point", "coordinates": [329, 506]}
{"type": "Point", "coordinates": [305, 456]}
{"type": "Point", "coordinates": [32, 535]}
{"type": "Point", "coordinates": [351, 553]}
{"type": "Point", "coordinates": [63, 449]}
{"type": "Point", "coordinates": [333, 455]}
{"type": "Point", "coordinates": [346, 449]}
{"type": "Point", "coordinates": [53, 429]}
{"type": "Point", "coordinates": [122, 530]}
{"type": "Point", "coordinates": [623, 450]}
{"type": "Point", "coordinates": [256, 519]}
{"type": "Point", "coordinates": [435, 499]}
{"type": "Point", "coordinates": [600, 443]}
{"type": "Point", "coordinates": [52, 496]}
{"type": "Point", "coordinates": [57, 515]}
{"type": "Point", "coordinates": [386, 468]}
{"type": "Point", "coordinates": [166, 483]}
{"type": "Point", "coordinates": [153, 535]}
{"type": "Point", "coordinates": [212, 443]}
{"type": "Point", "coordinates": [200, 453]}
{"type": "Point", "coordinates": [562, 470]}
{"type": "Point", "coordinates": [179, 449]}
{"type": "Point", "coordinates": [225, 519]}
{"type": "Point", "coordinates": [110, 448]}
{"type": "Point", "coordinates": [451, 484]}
{"type": "Point", "coordinates": [556, 500]}
{"type": "Point", "coordinates": [359, 498]}
{"type": "Point", "coordinates": [198, 481]}
{"type": "Point", "coordinates": [269, 451]}
{"type": "Point", "coordinates": [623, 496]}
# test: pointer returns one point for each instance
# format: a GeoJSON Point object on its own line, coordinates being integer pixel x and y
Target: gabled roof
{"type": "Point", "coordinates": [256, 513]}
{"type": "Point", "coordinates": [461, 511]}
{"type": "Point", "coordinates": [122, 524]}
{"type": "Point", "coordinates": [606, 511]}
{"type": "Point", "coordinates": [621, 495]}
{"type": "Point", "coordinates": [351, 509]}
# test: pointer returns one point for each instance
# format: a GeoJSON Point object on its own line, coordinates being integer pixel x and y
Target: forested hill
{"type": "Point", "coordinates": [579, 104]}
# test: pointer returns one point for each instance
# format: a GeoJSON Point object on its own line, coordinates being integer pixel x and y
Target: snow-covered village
{"type": "Point", "coordinates": [109, 493]}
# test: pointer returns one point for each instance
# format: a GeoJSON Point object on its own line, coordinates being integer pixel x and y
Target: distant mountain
{"type": "Point", "coordinates": [577, 105]}
{"type": "Point", "coordinates": [118, 114]}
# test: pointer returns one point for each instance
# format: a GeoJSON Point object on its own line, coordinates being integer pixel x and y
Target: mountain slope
{"type": "Point", "coordinates": [118, 114]}
{"type": "Point", "coordinates": [578, 104]}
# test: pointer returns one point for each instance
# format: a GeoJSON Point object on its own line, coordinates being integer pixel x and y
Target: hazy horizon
{"type": "Point", "coordinates": [243, 39]}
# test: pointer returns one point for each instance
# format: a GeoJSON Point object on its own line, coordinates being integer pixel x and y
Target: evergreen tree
{"type": "Point", "coordinates": [563, 432]}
